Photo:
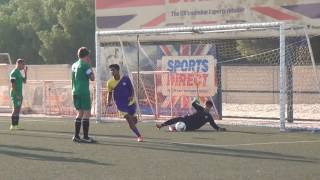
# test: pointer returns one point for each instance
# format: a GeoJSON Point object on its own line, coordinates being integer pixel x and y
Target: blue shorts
{"type": "Point", "coordinates": [131, 110]}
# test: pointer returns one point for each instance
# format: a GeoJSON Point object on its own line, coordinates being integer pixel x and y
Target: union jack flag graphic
{"type": "Point", "coordinates": [187, 50]}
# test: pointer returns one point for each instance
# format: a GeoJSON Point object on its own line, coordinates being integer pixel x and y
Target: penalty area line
{"type": "Point", "coordinates": [248, 144]}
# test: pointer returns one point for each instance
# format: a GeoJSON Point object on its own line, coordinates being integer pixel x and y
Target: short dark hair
{"type": "Point", "coordinates": [116, 66]}
{"type": "Point", "coordinates": [209, 103]}
{"type": "Point", "coordinates": [83, 52]}
{"type": "Point", "coordinates": [19, 61]}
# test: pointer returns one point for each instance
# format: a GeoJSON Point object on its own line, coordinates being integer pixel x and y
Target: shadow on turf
{"type": "Point", "coordinates": [32, 148]}
{"type": "Point", "coordinates": [39, 136]}
{"type": "Point", "coordinates": [214, 151]}
{"type": "Point", "coordinates": [22, 152]}
{"type": "Point", "coordinates": [186, 148]}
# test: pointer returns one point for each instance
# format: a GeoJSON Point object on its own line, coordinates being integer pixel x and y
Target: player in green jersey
{"type": "Point", "coordinates": [81, 74]}
{"type": "Point", "coordinates": [17, 79]}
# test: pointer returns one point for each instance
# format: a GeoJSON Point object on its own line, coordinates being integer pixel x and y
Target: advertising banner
{"type": "Point", "coordinates": [136, 14]}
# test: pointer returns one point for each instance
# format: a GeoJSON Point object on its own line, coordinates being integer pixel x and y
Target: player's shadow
{"type": "Point", "coordinates": [32, 148]}
{"type": "Point", "coordinates": [47, 131]}
{"type": "Point", "coordinates": [33, 135]}
{"type": "Point", "coordinates": [211, 150]}
{"type": "Point", "coordinates": [39, 154]}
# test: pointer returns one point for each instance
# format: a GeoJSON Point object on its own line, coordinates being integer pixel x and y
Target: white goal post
{"type": "Point", "coordinates": [278, 30]}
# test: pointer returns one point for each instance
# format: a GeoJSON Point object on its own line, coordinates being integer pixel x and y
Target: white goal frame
{"type": "Point", "coordinates": [200, 30]}
{"type": "Point", "coordinates": [8, 55]}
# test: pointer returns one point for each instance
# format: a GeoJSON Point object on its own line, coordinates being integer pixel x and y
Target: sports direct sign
{"type": "Point", "coordinates": [188, 75]}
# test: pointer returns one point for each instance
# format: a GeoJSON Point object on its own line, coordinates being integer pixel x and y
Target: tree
{"type": "Point", "coordinates": [74, 27]}
{"type": "Point", "coordinates": [46, 31]}
{"type": "Point", "coordinates": [15, 37]}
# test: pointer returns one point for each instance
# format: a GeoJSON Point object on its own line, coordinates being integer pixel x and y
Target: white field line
{"type": "Point", "coordinates": [248, 144]}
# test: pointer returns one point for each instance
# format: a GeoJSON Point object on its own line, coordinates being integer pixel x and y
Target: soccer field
{"type": "Point", "coordinates": [44, 150]}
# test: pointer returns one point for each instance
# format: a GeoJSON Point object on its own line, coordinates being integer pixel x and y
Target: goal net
{"type": "Point", "coordinates": [259, 70]}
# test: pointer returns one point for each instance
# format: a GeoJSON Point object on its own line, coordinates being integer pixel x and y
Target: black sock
{"type": "Point", "coordinates": [85, 124]}
{"type": "Point", "coordinates": [17, 120]}
{"type": "Point", "coordinates": [77, 125]}
{"type": "Point", "coordinates": [14, 120]}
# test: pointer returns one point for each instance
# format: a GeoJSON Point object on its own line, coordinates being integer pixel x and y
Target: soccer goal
{"type": "Point", "coordinates": [5, 58]}
{"type": "Point", "coordinates": [258, 70]}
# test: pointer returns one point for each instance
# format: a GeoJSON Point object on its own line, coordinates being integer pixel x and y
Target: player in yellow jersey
{"type": "Point", "coordinates": [123, 94]}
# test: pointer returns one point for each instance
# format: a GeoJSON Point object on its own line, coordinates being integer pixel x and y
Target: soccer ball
{"type": "Point", "coordinates": [180, 126]}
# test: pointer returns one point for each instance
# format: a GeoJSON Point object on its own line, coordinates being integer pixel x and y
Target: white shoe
{"type": "Point", "coordinates": [140, 139]}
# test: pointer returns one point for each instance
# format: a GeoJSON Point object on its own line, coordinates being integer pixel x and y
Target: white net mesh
{"type": "Point", "coordinates": [48, 97]}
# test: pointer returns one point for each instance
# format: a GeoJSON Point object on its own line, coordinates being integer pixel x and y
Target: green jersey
{"type": "Point", "coordinates": [80, 78]}
{"type": "Point", "coordinates": [18, 80]}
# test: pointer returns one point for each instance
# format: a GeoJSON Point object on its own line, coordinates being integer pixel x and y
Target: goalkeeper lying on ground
{"type": "Point", "coordinates": [196, 120]}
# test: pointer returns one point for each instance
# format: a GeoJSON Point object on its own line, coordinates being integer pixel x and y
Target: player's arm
{"type": "Point", "coordinates": [109, 99]}
{"type": "Point", "coordinates": [197, 106]}
{"type": "Point", "coordinates": [25, 74]}
{"type": "Point", "coordinates": [214, 125]}
{"type": "Point", "coordinates": [13, 84]}
{"type": "Point", "coordinates": [90, 74]}
{"type": "Point", "coordinates": [92, 77]}
{"type": "Point", "coordinates": [109, 96]}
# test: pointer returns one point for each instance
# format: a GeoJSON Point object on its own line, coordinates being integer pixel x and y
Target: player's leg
{"type": "Point", "coordinates": [135, 119]}
{"type": "Point", "coordinates": [86, 106]}
{"type": "Point", "coordinates": [77, 122]}
{"type": "Point", "coordinates": [86, 125]}
{"type": "Point", "coordinates": [18, 113]}
{"type": "Point", "coordinates": [133, 127]}
{"type": "Point", "coordinates": [14, 118]}
{"type": "Point", "coordinates": [132, 121]}
{"type": "Point", "coordinates": [170, 122]}
{"type": "Point", "coordinates": [191, 127]}
{"type": "Point", "coordinates": [77, 126]}
{"type": "Point", "coordinates": [15, 113]}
